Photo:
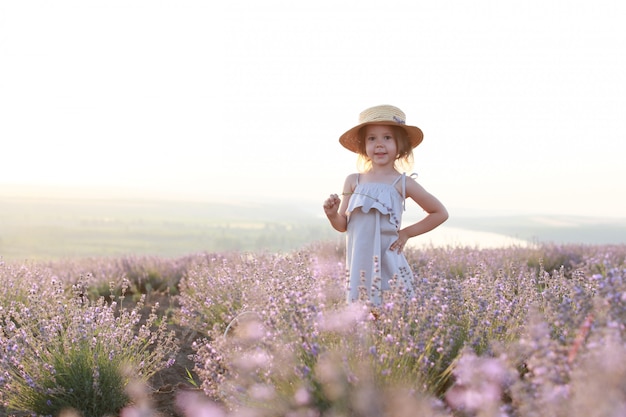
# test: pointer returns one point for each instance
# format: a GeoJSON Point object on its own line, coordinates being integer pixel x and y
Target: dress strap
{"type": "Point", "coordinates": [404, 191]}
{"type": "Point", "coordinates": [413, 175]}
{"type": "Point", "coordinates": [357, 178]}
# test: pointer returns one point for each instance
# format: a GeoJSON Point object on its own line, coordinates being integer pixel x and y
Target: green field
{"type": "Point", "coordinates": [51, 228]}
{"type": "Point", "coordinates": [33, 228]}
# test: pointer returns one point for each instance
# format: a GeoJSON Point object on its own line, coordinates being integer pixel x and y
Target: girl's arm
{"type": "Point", "coordinates": [436, 214]}
{"type": "Point", "coordinates": [335, 208]}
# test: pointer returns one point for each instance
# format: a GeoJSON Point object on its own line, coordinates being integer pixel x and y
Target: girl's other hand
{"type": "Point", "coordinates": [399, 244]}
{"type": "Point", "coordinates": [331, 205]}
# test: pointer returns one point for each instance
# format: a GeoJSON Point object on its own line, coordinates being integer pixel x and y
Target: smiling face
{"type": "Point", "coordinates": [380, 144]}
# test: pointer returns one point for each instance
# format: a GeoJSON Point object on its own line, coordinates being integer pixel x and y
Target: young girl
{"type": "Point", "coordinates": [373, 201]}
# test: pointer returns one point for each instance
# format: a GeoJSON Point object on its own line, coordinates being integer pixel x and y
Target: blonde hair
{"type": "Point", "coordinates": [404, 158]}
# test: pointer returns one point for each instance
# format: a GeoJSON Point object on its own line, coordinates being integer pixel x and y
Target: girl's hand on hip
{"type": "Point", "coordinates": [400, 243]}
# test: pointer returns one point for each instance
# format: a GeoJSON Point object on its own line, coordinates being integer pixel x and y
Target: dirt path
{"type": "Point", "coordinates": [167, 383]}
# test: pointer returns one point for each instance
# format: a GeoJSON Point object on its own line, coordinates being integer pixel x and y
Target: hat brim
{"type": "Point", "coordinates": [350, 139]}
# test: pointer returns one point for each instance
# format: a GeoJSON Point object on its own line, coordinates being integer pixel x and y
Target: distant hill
{"type": "Point", "coordinates": [42, 228]}
{"type": "Point", "coordinates": [549, 228]}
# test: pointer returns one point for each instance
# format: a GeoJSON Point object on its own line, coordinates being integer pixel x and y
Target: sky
{"type": "Point", "coordinates": [522, 103]}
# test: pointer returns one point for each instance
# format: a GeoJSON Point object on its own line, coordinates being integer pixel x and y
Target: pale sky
{"type": "Point", "coordinates": [522, 103]}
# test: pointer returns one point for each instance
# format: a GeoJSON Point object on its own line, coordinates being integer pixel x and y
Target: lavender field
{"type": "Point", "coordinates": [517, 331]}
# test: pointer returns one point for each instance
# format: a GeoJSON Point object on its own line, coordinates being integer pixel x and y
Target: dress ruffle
{"type": "Point", "coordinates": [382, 197]}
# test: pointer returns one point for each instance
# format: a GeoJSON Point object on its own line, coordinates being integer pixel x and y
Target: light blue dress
{"type": "Point", "coordinates": [374, 219]}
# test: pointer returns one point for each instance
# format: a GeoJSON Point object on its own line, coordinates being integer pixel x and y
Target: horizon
{"type": "Point", "coordinates": [115, 194]}
{"type": "Point", "coordinates": [35, 225]}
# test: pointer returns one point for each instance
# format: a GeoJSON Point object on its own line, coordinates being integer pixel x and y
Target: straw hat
{"type": "Point", "coordinates": [381, 115]}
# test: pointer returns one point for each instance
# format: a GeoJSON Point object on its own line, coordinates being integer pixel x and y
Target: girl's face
{"type": "Point", "coordinates": [380, 144]}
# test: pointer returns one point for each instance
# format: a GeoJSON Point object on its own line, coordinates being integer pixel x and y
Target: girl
{"type": "Point", "coordinates": [373, 201]}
